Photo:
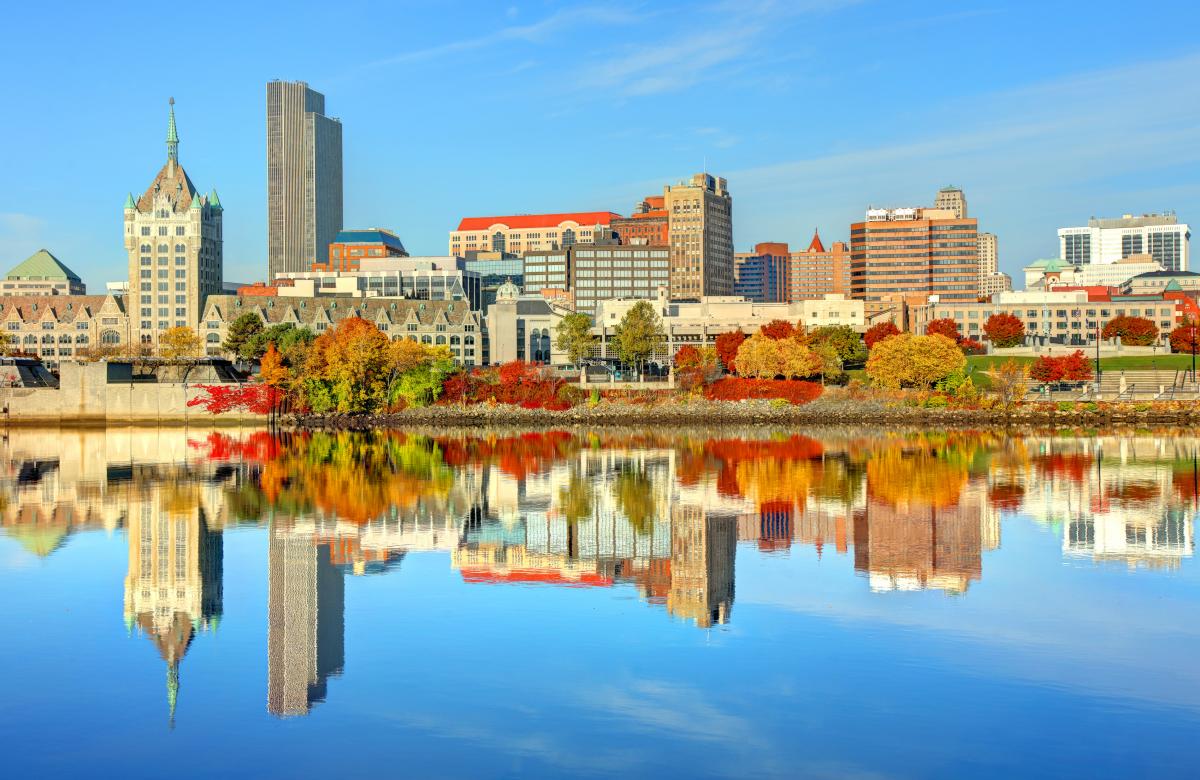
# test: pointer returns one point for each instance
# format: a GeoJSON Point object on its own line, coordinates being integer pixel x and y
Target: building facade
{"type": "Point", "coordinates": [415, 278]}
{"type": "Point", "coordinates": [1064, 317]}
{"type": "Point", "coordinates": [440, 323]}
{"type": "Point", "coordinates": [1050, 273]}
{"type": "Point", "coordinates": [762, 275]}
{"type": "Point", "coordinates": [1158, 282]}
{"type": "Point", "coordinates": [62, 326]}
{"type": "Point", "coordinates": [914, 250]}
{"type": "Point", "coordinates": [523, 327]}
{"type": "Point", "coordinates": [304, 178]}
{"type": "Point", "coordinates": [700, 233]}
{"type": "Point", "coordinates": [648, 224]}
{"type": "Point", "coordinates": [700, 322]}
{"type": "Point", "coordinates": [494, 269]}
{"type": "Point", "coordinates": [42, 274]}
{"type": "Point", "coordinates": [173, 237]}
{"type": "Point", "coordinates": [953, 200]}
{"type": "Point", "coordinates": [604, 272]}
{"type": "Point", "coordinates": [350, 247]}
{"type": "Point", "coordinates": [1161, 236]}
{"type": "Point", "coordinates": [816, 271]}
{"type": "Point", "coordinates": [547, 270]}
{"type": "Point", "coordinates": [520, 234]}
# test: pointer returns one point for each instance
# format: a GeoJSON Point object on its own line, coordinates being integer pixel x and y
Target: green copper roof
{"type": "Point", "coordinates": [129, 202]}
{"type": "Point", "coordinates": [43, 266]}
{"type": "Point", "coordinates": [1173, 286]}
{"type": "Point", "coordinates": [196, 201]}
{"type": "Point", "coordinates": [213, 200]}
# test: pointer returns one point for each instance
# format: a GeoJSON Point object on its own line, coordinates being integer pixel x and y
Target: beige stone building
{"type": "Point", "coordinates": [173, 238]}
{"type": "Point", "coordinates": [991, 280]}
{"type": "Point", "coordinates": [700, 234]}
{"type": "Point", "coordinates": [61, 326]}
{"type": "Point", "coordinates": [952, 199]}
{"type": "Point", "coordinates": [453, 324]}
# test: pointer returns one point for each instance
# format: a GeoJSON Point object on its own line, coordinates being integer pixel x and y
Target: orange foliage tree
{"type": "Point", "coordinates": [877, 333]}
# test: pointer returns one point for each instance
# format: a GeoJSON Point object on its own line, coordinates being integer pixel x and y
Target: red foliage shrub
{"type": "Point", "coordinates": [518, 383]}
{"type": "Point", "coordinates": [1074, 367]}
{"type": "Point", "coordinates": [877, 333]}
{"type": "Point", "coordinates": [945, 327]}
{"type": "Point", "coordinates": [739, 389]}
{"type": "Point", "coordinates": [1004, 330]}
{"type": "Point", "coordinates": [1134, 331]}
{"type": "Point", "coordinates": [727, 346]}
{"type": "Point", "coordinates": [972, 347]}
{"type": "Point", "coordinates": [252, 397]}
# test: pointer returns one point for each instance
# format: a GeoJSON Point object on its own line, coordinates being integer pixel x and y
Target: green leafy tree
{"type": "Point", "coordinates": [639, 334]}
{"type": "Point", "coordinates": [242, 331]}
{"type": "Point", "coordinates": [845, 342]}
{"type": "Point", "coordinates": [284, 335]}
{"type": "Point", "coordinates": [574, 337]}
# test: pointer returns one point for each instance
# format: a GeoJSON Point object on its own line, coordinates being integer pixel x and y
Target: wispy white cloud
{"type": "Point", "coordinates": [540, 31]}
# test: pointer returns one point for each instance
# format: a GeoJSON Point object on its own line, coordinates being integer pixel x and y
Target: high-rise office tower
{"type": "Point", "coordinates": [173, 237]}
{"type": "Point", "coordinates": [304, 178]}
{"type": "Point", "coordinates": [700, 213]}
{"type": "Point", "coordinates": [914, 251]}
{"type": "Point", "coordinates": [953, 200]}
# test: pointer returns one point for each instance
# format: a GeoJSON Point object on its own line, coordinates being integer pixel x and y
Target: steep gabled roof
{"type": "Point", "coordinates": [815, 245]}
{"type": "Point", "coordinates": [172, 180]}
{"type": "Point", "coordinates": [43, 265]}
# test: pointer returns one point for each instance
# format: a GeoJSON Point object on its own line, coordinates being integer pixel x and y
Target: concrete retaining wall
{"type": "Point", "coordinates": [84, 395]}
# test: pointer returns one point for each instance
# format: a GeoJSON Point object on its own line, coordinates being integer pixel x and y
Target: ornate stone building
{"type": "Point", "coordinates": [451, 323]}
{"type": "Point", "coordinates": [173, 237]}
{"type": "Point", "coordinates": [57, 327]}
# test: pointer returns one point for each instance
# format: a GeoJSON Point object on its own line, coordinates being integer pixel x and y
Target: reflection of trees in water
{"type": "Point", "coordinates": [575, 500]}
{"type": "Point", "coordinates": [635, 497]}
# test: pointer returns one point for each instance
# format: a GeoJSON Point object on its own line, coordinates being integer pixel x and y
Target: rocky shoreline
{"type": "Point", "coordinates": [730, 413]}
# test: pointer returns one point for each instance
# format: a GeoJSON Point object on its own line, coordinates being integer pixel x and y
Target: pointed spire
{"type": "Point", "coordinates": [196, 201]}
{"type": "Point", "coordinates": [214, 201]}
{"type": "Point", "coordinates": [129, 202]}
{"type": "Point", "coordinates": [172, 136]}
{"type": "Point", "coordinates": [815, 245]}
{"type": "Point", "coordinates": [172, 689]}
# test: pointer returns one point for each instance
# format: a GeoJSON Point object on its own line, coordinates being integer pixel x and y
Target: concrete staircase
{"type": "Point", "coordinates": [1142, 384]}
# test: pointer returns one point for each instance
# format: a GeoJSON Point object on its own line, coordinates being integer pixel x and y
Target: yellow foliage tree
{"type": "Point", "coordinates": [916, 361]}
{"type": "Point", "coordinates": [178, 343]}
{"type": "Point", "coordinates": [759, 357]}
{"type": "Point", "coordinates": [797, 361]}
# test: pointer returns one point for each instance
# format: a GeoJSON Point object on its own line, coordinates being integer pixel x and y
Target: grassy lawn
{"type": "Point", "coordinates": [977, 365]}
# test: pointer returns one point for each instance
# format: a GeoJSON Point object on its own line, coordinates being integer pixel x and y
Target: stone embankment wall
{"type": "Point", "coordinates": [86, 396]}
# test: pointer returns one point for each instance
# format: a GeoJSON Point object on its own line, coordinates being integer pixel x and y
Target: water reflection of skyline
{"type": "Point", "coordinates": [658, 514]}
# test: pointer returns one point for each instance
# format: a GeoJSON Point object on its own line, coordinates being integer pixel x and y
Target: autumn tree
{"type": "Point", "coordinates": [762, 357]}
{"type": "Point", "coordinates": [877, 333]}
{"type": "Point", "coordinates": [178, 343]}
{"type": "Point", "coordinates": [913, 361]}
{"type": "Point", "coordinates": [1076, 367]}
{"type": "Point", "coordinates": [1010, 383]}
{"type": "Point", "coordinates": [421, 381]}
{"type": "Point", "coordinates": [573, 335]}
{"type": "Point", "coordinates": [727, 345]}
{"type": "Point", "coordinates": [639, 334]}
{"type": "Point", "coordinates": [694, 367]}
{"type": "Point", "coordinates": [1133, 331]}
{"type": "Point", "coordinates": [944, 326]}
{"type": "Point", "coordinates": [1185, 338]}
{"type": "Point", "coordinates": [777, 329]}
{"type": "Point", "coordinates": [1004, 330]}
{"type": "Point", "coordinates": [239, 339]}
{"type": "Point", "coordinates": [287, 338]}
{"type": "Point", "coordinates": [347, 368]}
{"type": "Point", "coordinates": [845, 342]}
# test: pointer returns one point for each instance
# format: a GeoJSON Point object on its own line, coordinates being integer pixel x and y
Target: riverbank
{"type": "Point", "coordinates": [823, 411]}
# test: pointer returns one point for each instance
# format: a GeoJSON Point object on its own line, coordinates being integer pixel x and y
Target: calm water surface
{"type": "Point", "coordinates": [814, 604]}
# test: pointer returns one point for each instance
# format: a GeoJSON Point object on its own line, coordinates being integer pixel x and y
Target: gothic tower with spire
{"type": "Point", "coordinates": [173, 239]}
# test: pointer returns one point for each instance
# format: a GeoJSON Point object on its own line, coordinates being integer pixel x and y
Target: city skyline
{"type": "Point", "coordinates": [1014, 146]}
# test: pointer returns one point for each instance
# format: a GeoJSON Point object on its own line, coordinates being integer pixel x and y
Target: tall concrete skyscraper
{"type": "Point", "coordinates": [304, 178]}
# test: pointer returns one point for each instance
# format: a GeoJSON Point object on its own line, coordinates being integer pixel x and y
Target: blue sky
{"type": "Point", "coordinates": [1045, 113]}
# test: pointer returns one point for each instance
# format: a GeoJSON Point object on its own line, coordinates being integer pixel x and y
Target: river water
{"type": "Point", "coordinates": [818, 603]}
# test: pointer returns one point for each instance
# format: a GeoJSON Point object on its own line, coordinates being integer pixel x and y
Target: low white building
{"type": "Point", "coordinates": [432, 278]}
{"type": "Point", "coordinates": [1048, 274]}
{"type": "Point", "coordinates": [1108, 240]}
